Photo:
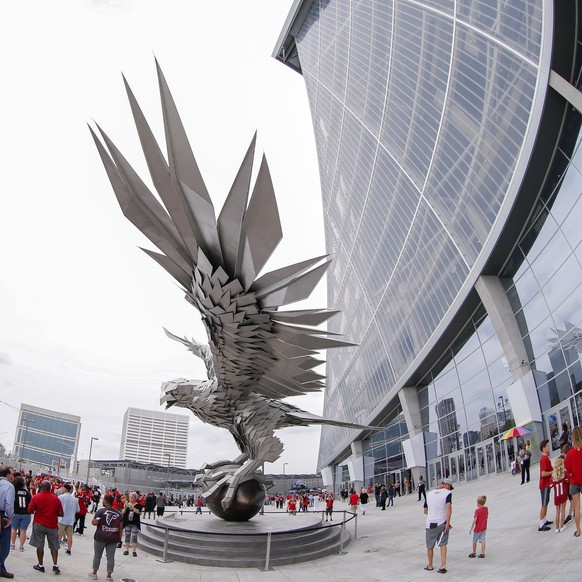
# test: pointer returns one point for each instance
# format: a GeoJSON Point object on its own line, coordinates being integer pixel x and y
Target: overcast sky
{"type": "Point", "coordinates": [82, 308]}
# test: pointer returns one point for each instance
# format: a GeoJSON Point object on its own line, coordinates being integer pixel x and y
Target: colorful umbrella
{"type": "Point", "coordinates": [515, 432]}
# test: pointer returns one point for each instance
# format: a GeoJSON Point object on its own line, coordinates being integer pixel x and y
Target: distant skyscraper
{"type": "Point", "coordinates": [154, 437]}
{"type": "Point", "coordinates": [47, 437]}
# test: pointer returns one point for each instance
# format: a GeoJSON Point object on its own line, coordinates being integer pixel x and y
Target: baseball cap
{"type": "Point", "coordinates": [448, 482]}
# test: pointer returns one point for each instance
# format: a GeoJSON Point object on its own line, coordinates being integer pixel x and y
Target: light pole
{"type": "Point", "coordinates": [168, 471]}
{"type": "Point", "coordinates": [26, 422]}
{"type": "Point", "coordinates": [284, 465]}
{"type": "Point", "coordinates": [89, 461]}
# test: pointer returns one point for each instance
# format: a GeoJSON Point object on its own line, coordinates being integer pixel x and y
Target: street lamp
{"type": "Point", "coordinates": [89, 461]}
{"type": "Point", "coordinates": [168, 471]}
{"type": "Point", "coordinates": [25, 421]}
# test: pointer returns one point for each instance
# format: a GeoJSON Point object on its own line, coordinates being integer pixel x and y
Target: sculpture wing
{"type": "Point", "coordinates": [254, 346]}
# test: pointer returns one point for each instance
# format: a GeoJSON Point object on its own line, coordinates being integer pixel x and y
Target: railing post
{"type": "Point", "coordinates": [343, 527]}
{"type": "Point", "coordinates": [268, 556]}
{"type": "Point", "coordinates": [164, 559]}
{"type": "Point", "coordinates": [356, 527]}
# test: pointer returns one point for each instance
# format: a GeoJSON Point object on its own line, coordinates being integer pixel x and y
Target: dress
{"type": "Point", "coordinates": [560, 491]}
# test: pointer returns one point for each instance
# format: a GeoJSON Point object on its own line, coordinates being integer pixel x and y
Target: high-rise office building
{"type": "Point", "coordinates": [447, 136]}
{"type": "Point", "coordinates": [47, 437]}
{"type": "Point", "coordinates": [149, 436]}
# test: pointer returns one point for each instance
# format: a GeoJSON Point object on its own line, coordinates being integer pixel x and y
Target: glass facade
{"type": "Point", "coordinates": [465, 403]}
{"type": "Point", "coordinates": [407, 100]}
{"type": "Point", "coordinates": [47, 437]}
{"type": "Point", "coordinates": [426, 116]}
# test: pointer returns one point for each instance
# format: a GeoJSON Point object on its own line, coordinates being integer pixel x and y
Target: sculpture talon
{"type": "Point", "coordinates": [257, 355]}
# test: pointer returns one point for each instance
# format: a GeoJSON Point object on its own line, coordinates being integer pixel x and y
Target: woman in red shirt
{"type": "Point", "coordinates": [573, 465]}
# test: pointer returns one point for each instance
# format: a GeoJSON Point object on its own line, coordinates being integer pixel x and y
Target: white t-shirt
{"type": "Point", "coordinates": [70, 507]}
{"type": "Point", "coordinates": [436, 501]}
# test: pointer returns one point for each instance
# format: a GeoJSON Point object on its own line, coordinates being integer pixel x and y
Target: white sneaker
{"type": "Point", "coordinates": [92, 576]}
{"type": "Point", "coordinates": [557, 530]}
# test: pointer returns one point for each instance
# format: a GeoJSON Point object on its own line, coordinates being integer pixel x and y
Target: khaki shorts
{"type": "Point", "coordinates": [65, 530]}
{"type": "Point", "coordinates": [39, 533]}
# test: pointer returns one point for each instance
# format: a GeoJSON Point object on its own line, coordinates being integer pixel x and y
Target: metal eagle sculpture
{"type": "Point", "coordinates": [256, 355]}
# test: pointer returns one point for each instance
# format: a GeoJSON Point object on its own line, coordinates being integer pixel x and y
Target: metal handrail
{"type": "Point", "coordinates": [341, 524]}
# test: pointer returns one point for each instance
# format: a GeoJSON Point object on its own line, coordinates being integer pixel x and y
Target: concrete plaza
{"type": "Point", "coordinates": [390, 546]}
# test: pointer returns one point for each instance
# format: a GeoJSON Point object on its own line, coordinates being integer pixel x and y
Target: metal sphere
{"type": "Point", "coordinates": [248, 501]}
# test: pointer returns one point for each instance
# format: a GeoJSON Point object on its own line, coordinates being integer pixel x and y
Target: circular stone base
{"type": "Point", "coordinates": [269, 522]}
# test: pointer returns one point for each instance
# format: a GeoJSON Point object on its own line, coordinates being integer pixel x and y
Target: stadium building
{"type": "Point", "coordinates": [447, 135]}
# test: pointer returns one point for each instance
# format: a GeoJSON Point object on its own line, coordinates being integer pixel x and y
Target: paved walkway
{"type": "Point", "coordinates": [390, 546]}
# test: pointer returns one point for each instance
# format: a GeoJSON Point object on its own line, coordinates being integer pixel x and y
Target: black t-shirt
{"type": "Point", "coordinates": [108, 528]}
{"type": "Point", "coordinates": [130, 517]}
{"type": "Point", "coordinates": [22, 499]}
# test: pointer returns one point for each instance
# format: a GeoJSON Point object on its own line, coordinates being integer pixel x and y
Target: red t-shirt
{"type": "Point", "coordinates": [47, 508]}
{"type": "Point", "coordinates": [354, 499]}
{"type": "Point", "coordinates": [481, 514]}
{"type": "Point", "coordinates": [545, 465]}
{"type": "Point", "coordinates": [84, 498]}
{"type": "Point", "coordinates": [291, 506]}
{"type": "Point", "coordinates": [573, 463]}
{"type": "Point", "coordinates": [329, 503]}
{"type": "Point", "coordinates": [560, 491]}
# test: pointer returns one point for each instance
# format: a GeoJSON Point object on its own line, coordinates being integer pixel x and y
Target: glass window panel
{"type": "Point", "coordinates": [473, 388]}
{"type": "Point", "coordinates": [538, 338]}
{"type": "Point", "coordinates": [446, 383]}
{"type": "Point", "coordinates": [499, 372]}
{"type": "Point", "coordinates": [536, 311]}
{"type": "Point", "coordinates": [526, 286]}
{"type": "Point", "coordinates": [552, 258]}
{"type": "Point", "coordinates": [470, 367]}
{"type": "Point", "coordinates": [566, 281]}
{"type": "Point", "coordinates": [492, 350]}
{"type": "Point", "coordinates": [564, 209]}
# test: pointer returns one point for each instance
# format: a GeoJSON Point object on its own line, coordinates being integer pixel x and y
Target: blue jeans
{"type": "Point", "coordinates": [4, 545]}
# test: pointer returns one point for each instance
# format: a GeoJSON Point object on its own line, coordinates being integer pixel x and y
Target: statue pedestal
{"type": "Point", "coordinates": [207, 540]}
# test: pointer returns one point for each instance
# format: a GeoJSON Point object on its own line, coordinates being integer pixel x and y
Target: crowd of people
{"type": "Point", "coordinates": [563, 477]}
{"type": "Point", "coordinates": [58, 509]}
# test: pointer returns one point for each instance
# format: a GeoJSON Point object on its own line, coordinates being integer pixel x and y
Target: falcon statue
{"type": "Point", "coordinates": [256, 355]}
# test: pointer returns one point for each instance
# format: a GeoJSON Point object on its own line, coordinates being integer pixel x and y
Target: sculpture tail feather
{"type": "Point", "coordinates": [308, 418]}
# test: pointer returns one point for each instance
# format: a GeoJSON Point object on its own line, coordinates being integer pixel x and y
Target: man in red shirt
{"type": "Point", "coordinates": [545, 484]}
{"type": "Point", "coordinates": [47, 508]}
